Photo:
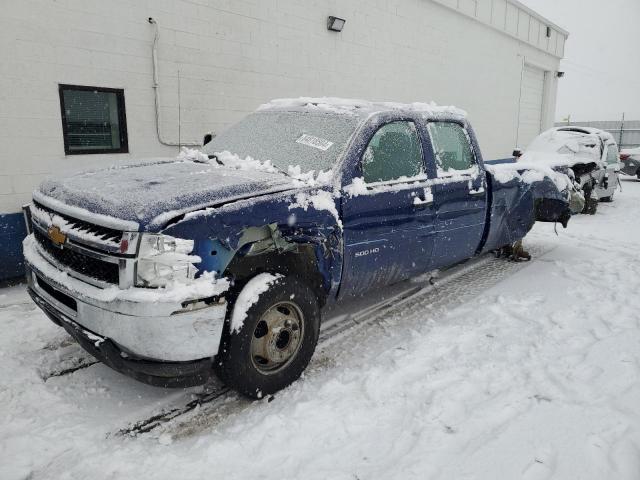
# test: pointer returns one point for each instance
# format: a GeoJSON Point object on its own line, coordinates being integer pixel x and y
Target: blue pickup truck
{"type": "Point", "coordinates": [221, 260]}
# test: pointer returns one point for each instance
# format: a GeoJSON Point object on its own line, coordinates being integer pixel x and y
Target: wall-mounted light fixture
{"type": "Point", "coordinates": [559, 74]}
{"type": "Point", "coordinates": [335, 24]}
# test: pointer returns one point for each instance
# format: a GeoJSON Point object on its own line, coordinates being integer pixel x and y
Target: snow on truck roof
{"type": "Point", "coordinates": [363, 108]}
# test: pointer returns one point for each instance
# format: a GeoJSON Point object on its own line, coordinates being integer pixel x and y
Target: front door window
{"type": "Point", "coordinates": [393, 153]}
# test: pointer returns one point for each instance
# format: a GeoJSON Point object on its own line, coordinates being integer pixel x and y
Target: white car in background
{"type": "Point", "coordinates": [630, 159]}
{"type": "Point", "coordinates": [588, 155]}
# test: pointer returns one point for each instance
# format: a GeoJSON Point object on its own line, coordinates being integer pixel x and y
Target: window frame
{"type": "Point", "coordinates": [476, 162]}
{"type": "Point", "coordinates": [395, 180]}
{"type": "Point", "coordinates": [606, 154]}
{"type": "Point", "coordinates": [122, 120]}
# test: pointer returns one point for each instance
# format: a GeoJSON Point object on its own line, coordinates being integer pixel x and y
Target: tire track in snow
{"type": "Point", "coordinates": [458, 286]}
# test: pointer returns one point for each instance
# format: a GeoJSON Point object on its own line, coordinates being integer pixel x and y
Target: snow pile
{"type": "Point", "coordinates": [347, 106]}
{"type": "Point", "coordinates": [228, 160]}
{"type": "Point", "coordinates": [176, 291]}
{"type": "Point", "coordinates": [555, 160]}
{"type": "Point", "coordinates": [564, 148]}
{"type": "Point", "coordinates": [474, 191]}
{"type": "Point", "coordinates": [310, 178]}
{"type": "Point", "coordinates": [232, 160]}
{"type": "Point", "coordinates": [192, 155]}
{"type": "Point", "coordinates": [321, 104]}
{"type": "Point", "coordinates": [320, 200]}
{"type": "Point", "coordinates": [528, 173]}
{"type": "Point", "coordinates": [456, 175]}
{"type": "Point", "coordinates": [430, 108]}
{"type": "Point", "coordinates": [249, 295]}
{"type": "Point", "coordinates": [359, 187]}
{"type": "Point", "coordinates": [428, 197]}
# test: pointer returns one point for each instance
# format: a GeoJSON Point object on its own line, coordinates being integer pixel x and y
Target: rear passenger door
{"type": "Point", "coordinates": [388, 212]}
{"type": "Point", "coordinates": [609, 182]}
{"type": "Point", "coordinates": [460, 194]}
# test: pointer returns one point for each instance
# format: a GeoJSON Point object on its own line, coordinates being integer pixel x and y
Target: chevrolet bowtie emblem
{"type": "Point", "coordinates": [56, 236]}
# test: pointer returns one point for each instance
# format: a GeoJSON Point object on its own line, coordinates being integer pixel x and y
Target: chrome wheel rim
{"type": "Point", "coordinates": [277, 337]}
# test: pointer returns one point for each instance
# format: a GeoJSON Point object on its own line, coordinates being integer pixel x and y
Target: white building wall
{"type": "Point", "coordinates": [234, 55]}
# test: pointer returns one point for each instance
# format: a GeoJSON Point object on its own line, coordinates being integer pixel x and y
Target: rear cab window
{"type": "Point", "coordinates": [393, 153]}
{"type": "Point", "coordinates": [612, 154]}
{"type": "Point", "coordinates": [452, 149]}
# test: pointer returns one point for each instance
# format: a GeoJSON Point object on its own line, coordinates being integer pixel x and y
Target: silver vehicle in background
{"type": "Point", "coordinates": [588, 155]}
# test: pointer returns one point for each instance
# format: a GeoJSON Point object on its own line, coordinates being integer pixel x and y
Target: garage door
{"type": "Point", "coordinates": [531, 100]}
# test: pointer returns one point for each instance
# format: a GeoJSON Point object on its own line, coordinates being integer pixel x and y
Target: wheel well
{"type": "Point", "coordinates": [300, 262]}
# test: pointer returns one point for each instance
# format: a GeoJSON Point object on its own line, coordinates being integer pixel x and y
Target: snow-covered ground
{"type": "Point", "coordinates": [507, 371]}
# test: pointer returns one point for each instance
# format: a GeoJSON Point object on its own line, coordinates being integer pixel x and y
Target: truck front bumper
{"type": "Point", "coordinates": [164, 343]}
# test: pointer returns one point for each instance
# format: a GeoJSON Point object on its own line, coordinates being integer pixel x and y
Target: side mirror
{"type": "Point", "coordinates": [517, 153]}
{"type": "Point", "coordinates": [207, 138]}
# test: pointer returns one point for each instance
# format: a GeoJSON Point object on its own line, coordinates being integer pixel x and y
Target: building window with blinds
{"type": "Point", "coordinates": [93, 120]}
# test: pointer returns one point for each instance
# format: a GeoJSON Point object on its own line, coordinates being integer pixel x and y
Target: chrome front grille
{"type": "Point", "coordinates": [93, 253]}
{"type": "Point", "coordinates": [81, 228]}
{"type": "Point", "coordinates": [78, 262]}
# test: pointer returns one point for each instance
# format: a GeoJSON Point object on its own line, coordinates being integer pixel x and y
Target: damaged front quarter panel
{"type": "Point", "coordinates": [276, 233]}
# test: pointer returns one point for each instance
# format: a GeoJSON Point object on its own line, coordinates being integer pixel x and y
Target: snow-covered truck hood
{"type": "Point", "coordinates": [151, 194]}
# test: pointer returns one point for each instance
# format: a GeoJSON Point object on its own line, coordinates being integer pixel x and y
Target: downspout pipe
{"type": "Point", "coordinates": [156, 90]}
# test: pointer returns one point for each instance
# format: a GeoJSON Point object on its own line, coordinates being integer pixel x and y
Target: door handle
{"type": "Point", "coordinates": [420, 204]}
{"type": "Point", "coordinates": [423, 199]}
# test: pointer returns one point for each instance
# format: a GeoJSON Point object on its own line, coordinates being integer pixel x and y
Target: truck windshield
{"type": "Point", "coordinates": [312, 141]}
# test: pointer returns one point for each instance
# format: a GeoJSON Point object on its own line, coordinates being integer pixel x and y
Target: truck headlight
{"type": "Point", "coordinates": [163, 259]}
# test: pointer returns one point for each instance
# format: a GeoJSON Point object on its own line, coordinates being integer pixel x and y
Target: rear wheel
{"type": "Point", "coordinates": [590, 199]}
{"type": "Point", "coordinates": [276, 340]}
{"type": "Point", "coordinates": [591, 206]}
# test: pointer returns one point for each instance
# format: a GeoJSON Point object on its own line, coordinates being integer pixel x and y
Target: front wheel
{"type": "Point", "coordinates": [272, 333]}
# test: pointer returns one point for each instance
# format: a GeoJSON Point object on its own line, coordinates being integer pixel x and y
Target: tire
{"type": "Point", "coordinates": [275, 342]}
{"type": "Point", "coordinates": [590, 206]}
{"type": "Point", "coordinates": [638, 174]}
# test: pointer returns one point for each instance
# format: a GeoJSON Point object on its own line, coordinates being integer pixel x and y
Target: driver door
{"type": "Point", "coordinates": [388, 212]}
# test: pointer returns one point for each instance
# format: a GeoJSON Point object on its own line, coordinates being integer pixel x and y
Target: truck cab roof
{"type": "Point", "coordinates": [361, 108]}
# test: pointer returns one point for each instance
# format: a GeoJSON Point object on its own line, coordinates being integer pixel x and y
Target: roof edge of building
{"type": "Point", "coordinates": [535, 14]}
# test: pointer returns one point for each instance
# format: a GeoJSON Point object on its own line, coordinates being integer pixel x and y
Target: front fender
{"type": "Point", "coordinates": [276, 224]}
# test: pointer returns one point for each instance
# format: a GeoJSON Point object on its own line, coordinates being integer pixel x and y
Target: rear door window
{"type": "Point", "coordinates": [393, 153]}
{"type": "Point", "coordinates": [451, 147]}
{"type": "Point", "coordinates": [612, 155]}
